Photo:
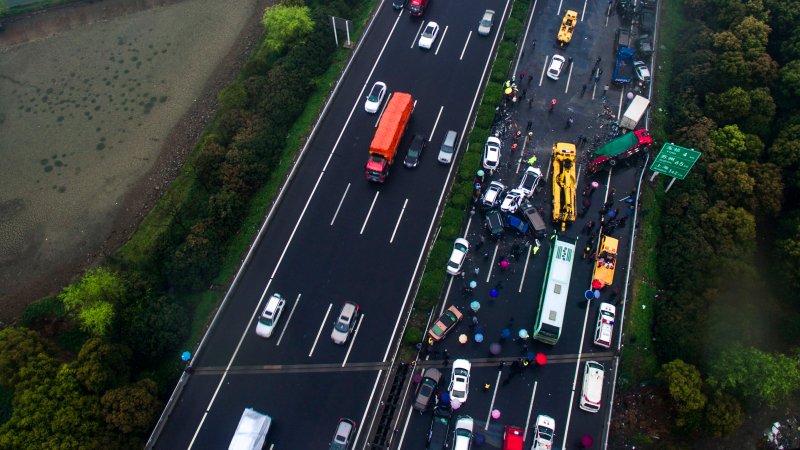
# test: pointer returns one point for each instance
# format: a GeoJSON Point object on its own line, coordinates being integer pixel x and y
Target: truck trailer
{"type": "Point", "coordinates": [622, 147]}
{"type": "Point", "coordinates": [634, 113]}
{"type": "Point", "coordinates": [252, 431]}
{"type": "Point", "coordinates": [390, 130]}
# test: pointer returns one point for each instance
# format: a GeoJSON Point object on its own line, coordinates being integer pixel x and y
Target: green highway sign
{"type": "Point", "coordinates": [675, 161]}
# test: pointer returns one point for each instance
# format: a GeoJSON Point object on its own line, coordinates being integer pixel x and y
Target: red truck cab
{"type": "Point", "coordinates": [417, 7]}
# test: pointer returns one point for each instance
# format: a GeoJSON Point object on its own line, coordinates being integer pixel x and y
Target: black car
{"type": "Point", "coordinates": [494, 223]}
{"type": "Point", "coordinates": [398, 4]}
{"type": "Point", "coordinates": [415, 151]}
{"type": "Point", "coordinates": [440, 427]}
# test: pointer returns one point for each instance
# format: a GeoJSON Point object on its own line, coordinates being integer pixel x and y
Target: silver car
{"type": "Point", "coordinates": [485, 25]}
{"type": "Point", "coordinates": [345, 323]}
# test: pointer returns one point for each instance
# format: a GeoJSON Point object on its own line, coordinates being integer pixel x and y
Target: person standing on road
{"type": "Point", "coordinates": [583, 90]}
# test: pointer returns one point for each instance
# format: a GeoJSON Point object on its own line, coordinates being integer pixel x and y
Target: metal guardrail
{"type": "Point", "coordinates": [184, 379]}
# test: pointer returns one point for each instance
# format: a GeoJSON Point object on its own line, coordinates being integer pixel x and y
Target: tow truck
{"type": "Point", "coordinates": [564, 180]}
{"type": "Point", "coordinates": [567, 27]}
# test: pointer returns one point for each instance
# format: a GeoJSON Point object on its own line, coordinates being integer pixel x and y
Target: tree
{"type": "Point", "coordinates": [132, 408]}
{"type": "Point", "coordinates": [730, 142]}
{"type": "Point", "coordinates": [728, 107]}
{"type": "Point", "coordinates": [785, 149]}
{"type": "Point", "coordinates": [787, 248]}
{"type": "Point", "coordinates": [696, 135]}
{"type": "Point", "coordinates": [768, 191]}
{"type": "Point", "coordinates": [154, 327]}
{"type": "Point", "coordinates": [789, 84]}
{"type": "Point", "coordinates": [17, 347]}
{"type": "Point", "coordinates": [755, 375]}
{"type": "Point", "coordinates": [730, 181]}
{"type": "Point", "coordinates": [732, 230]}
{"type": "Point", "coordinates": [285, 26]}
{"type": "Point", "coordinates": [730, 12]}
{"type": "Point", "coordinates": [93, 298]}
{"type": "Point", "coordinates": [101, 365]}
{"type": "Point", "coordinates": [724, 414]}
{"type": "Point", "coordinates": [685, 389]}
{"type": "Point", "coordinates": [753, 35]}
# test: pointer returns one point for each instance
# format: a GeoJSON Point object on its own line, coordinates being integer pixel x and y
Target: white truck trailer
{"type": "Point", "coordinates": [634, 113]}
{"type": "Point", "coordinates": [251, 433]}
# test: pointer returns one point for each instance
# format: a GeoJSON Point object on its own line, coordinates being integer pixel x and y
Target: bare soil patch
{"type": "Point", "coordinates": [102, 103]}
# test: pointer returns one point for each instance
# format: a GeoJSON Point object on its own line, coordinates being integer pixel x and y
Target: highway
{"type": "Point", "coordinates": [335, 236]}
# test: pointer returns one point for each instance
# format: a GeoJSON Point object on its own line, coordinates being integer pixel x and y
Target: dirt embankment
{"type": "Point", "coordinates": [86, 154]}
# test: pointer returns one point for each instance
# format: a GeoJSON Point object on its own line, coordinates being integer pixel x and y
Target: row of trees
{"type": "Point", "coordinates": [730, 248]}
{"type": "Point", "coordinates": [132, 318]}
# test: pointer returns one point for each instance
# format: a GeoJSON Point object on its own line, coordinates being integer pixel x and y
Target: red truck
{"type": "Point", "coordinates": [622, 147]}
{"type": "Point", "coordinates": [387, 137]}
{"type": "Point", "coordinates": [417, 7]}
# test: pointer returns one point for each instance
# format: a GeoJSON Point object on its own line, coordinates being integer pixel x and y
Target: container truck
{"type": "Point", "coordinates": [622, 147]}
{"type": "Point", "coordinates": [390, 130]}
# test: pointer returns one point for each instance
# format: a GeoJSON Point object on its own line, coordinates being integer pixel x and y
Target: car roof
{"type": "Point", "coordinates": [272, 303]}
{"type": "Point", "coordinates": [461, 241]}
{"type": "Point", "coordinates": [497, 184]}
{"type": "Point", "coordinates": [348, 307]}
{"type": "Point", "coordinates": [546, 421]}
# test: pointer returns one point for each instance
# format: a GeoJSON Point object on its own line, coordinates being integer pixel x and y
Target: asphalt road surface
{"type": "Point", "coordinates": [337, 237]}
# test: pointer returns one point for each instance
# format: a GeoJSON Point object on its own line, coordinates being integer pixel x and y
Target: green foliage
{"type": "Point", "coordinates": [789, 84]}
{"type": "Point", "coordinates": [755, 375]}
{"type": "Point", "coordinates": [785, 149]}
{"type": "Point", "coordinates": [285, 26]}
{"type": "Point", "coordinates": [412, 336]}
{"type": "Point", "coordinates": [132, 408]}
{"type": "Point", "coordinates": [93, 297]}
{"type": "Point", "coordinates": [730, 181]}
{"type": "Point", "coordinates": [18, 346]}
{"type": "Point", "coordinates": [731, 229]}
{"type": "Point", "coordinates": [6, 399]}
{"type": "Point", "coordinates": [37, 312]}
{"type": "Point", "coordinates": [102, 366]}
{"type": "Point", "coordinates": [154, 326]}
{"type": "Point", "coordinates": [724, 414]}
{"type": "Point", "coordinates": [729, 106]}
{"type": "Point", "coordinates": [768, 198]}
{"type": "Point", "coordinates": [233, 96]}
{"type": "Point", "coordinates": [685, 386]}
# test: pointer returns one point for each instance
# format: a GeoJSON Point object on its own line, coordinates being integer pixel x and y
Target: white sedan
{"type": "Point", "coordinates": [459, 380]}
{"type": "Point", "coordinates": [491, 153]}
{"type": "Point", "coordinates": [512, 201]}
{"type": "Point", "coordinates": [556, 66]}
{"type": "Point", "coordinates": [375, 97]}
{"type": "Point", "coordinates": [457, 257]}
{"type": "Point", "coordinates": [545, 432]}
{"type": "Point", "coordinates": [429, 35]}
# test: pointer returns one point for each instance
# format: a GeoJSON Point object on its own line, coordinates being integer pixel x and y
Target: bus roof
{"type": "Point", "coordinates": [556, 289]}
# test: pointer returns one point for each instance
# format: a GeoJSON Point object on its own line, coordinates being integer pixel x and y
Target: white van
{"type": "Point", "coordinates": [448, 147]}
{"type": "Point", "coordinates": [592, 393]}
{"type": "Point", "coordinates": [605, 325]}
{"type": "Point", "coordinates": [251, 432]}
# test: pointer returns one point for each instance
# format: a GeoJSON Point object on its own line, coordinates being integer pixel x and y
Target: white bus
{"type": "Point", "coordinates": [553, 300]}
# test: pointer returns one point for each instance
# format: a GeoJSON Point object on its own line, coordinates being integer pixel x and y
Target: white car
{"type": "Point", "coordinates": [269, 317]}
{"type": "Point", "coordinates": [429, 35]}
{"type": "Point", "coordinates": [491, 197]}
{"type": "Point", "coordinates": [459, 380]}
{"type": "Point", "coordinates": [485, 25]}
{"type": "Point", "coordinates": [530, 179]}
{"type": "Point", "coordinates": [545, 433]}
{"type": "Point", "coordinates": [345, 323]}
{"type": "Point", "coordinates": [512, 201]}
{"type": "Point", "coordinates": [462, 434]}
{"type": "Point", "coordinates": [491, 153]}
{"type": "Point", "coordinates": [556, 66]}
{"type": "Point", "coordinates": [375, 97]}
{"type": "Point", "coordinates": [605, 325]}
{"type": "Point", "coordinates": [642, 72]}
{"type": "Point", "coordinates": [457, 257]}
{"type": "Point", "coordinates": [592, 392]}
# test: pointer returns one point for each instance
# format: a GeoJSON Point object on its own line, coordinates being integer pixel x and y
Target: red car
{"type": "Point", "coordinates": [513, 438]}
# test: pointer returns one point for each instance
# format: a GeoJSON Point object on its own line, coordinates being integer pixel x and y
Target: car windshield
{"type": "Point", "coordinates": [266, 321]}
{"type": "Point", "coordinates": [463, 432]}
{"type": "Point", "coordinates": [376, 92]}
{"type": "Point", "coordinates": [426, 390]}
{"type": "Point", "coordinates": [437, 330]}
{"type": "Point", "coordinates": [429, 31]}
{"type": "Point", "coordinates": [486, 22]}
{"type": "Point", "coordinates": [447, 319]}
{"type": "Point", "coordinates": [458, 394]}
{"type": "Point", "coordinates": [545, 433]}
{"type": "Point", "coordinates": [413, 152]}
{"type": "Point", "coordinates": [341, 324]}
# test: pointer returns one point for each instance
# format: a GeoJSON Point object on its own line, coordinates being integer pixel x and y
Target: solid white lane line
{"type": "Point", "coordinates": [399, 219]}
{"type": "Point", "coordinates": [366, 219]}
{"type": "Point", "coordinates": [383, 109]}
{"type": "Point", "coordinates": [441, 40]}
{"type": "Point", "coordinates": [569, 76]}
{"type": "Point", "coordinates": [435, 123]}
{"type": "Point", "coordinates": [288, 319]}
{"type": "Point", "coordinates": [525, 268]}
{"type": "Point", "coordinates": [466, 43]}
{"type": "Point", "coordinates": [353, 339]}
{"type": "Point", "coordinates": [577, 367]}
{"type": "Point", "coordinates": [291, 237]}
{"type": "Point", "coordinates": [494, 395]}
{"type": "Point", "coordinates": [491, 266]}
{"type": "Point", "coordinates": [446, 295]}
{"type": "Point", "coordinates": [369, 402]}
{"type": "Point", "coordinates": [341, 200]}
{"type": "Point", "coordinates": [321, 326]}
{"type": "Point", "coordinates": [405, 428]}
{"type": "Point", "coordinates": [416, 36]}
{"type": "Point", "coordinates": [530, 411]}
{"type": "Point", "coordinates": [544, 69]}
